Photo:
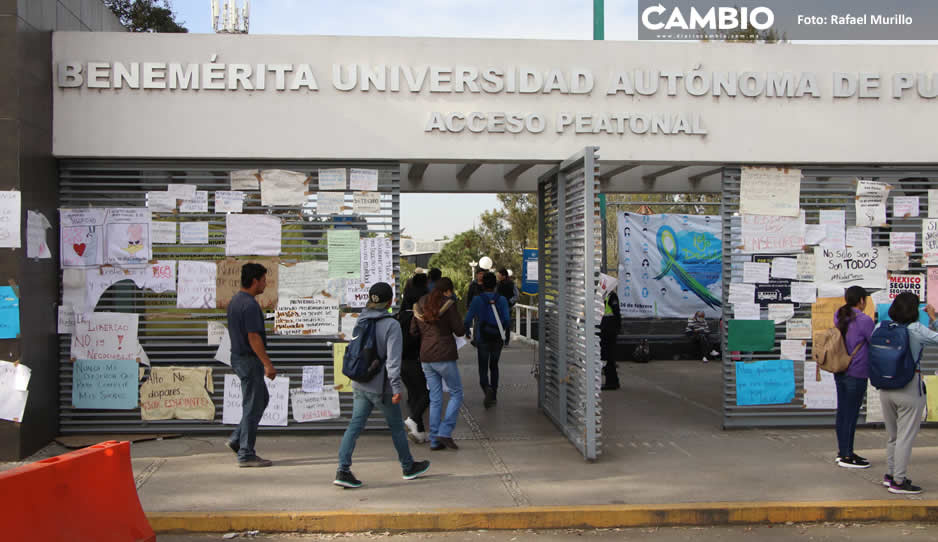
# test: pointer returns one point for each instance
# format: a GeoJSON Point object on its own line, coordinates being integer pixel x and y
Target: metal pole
{"type": "Point", "coordinates": [599, 24]}
{"type": "Point", "coordinates": [599, 33]}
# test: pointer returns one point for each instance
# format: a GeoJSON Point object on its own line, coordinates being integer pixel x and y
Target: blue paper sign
{"type": "Point", "coordinates": [765, 382]}
{"type": "Point", "coordinates": [882, 313]}
{"type": "Point", "coordinates": [108, 384]}
{"type": "Point", "coordinates": [529, 272]}
{"type": "Point", "coordinates": [9, 313]}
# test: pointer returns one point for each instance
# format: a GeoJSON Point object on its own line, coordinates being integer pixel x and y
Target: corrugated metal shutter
{"type": "Point", "coordinates": [821, 188]}
{"type": "Point", "coordinates": [173, 336]}
{"type": "Point", "coordinates": [570, 253]}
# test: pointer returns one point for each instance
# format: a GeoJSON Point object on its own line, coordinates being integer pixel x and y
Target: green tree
{"type": "Point", "coordinates": [146, 15]}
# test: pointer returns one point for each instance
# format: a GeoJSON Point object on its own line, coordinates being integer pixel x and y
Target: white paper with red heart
{"type": "Point", "coordinates": [81, 237]}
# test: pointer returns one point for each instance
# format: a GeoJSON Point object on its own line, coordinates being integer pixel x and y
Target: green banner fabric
{"type": "Point", "coordinates": [751, 335]}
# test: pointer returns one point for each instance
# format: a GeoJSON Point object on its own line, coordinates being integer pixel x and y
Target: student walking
{"type": "Point", "coordinates": [902, 408]}
{"type": "Point", "coordinates": [418, 398]}
{"type": "Point", "coordinates": [855, 328]}
{"type": "Point", "coordinates": [437, 320]}
{"type": "Point", "coordinates": [250, 362]}
{"type": "Point", "coordinates": [382, 391]}
{"type": "Point", "coordinates": [491, 311]}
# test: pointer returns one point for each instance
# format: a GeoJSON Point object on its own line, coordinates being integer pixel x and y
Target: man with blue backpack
{"type": "Point", "coordinates": [895, 355]}
{"type": "Point", "coordinates": [373, 363]}
{"type": "Point", "coordinates": [494, 319]}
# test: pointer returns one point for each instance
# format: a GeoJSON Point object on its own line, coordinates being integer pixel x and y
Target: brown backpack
{"type": "Point", "coordinates": [830, 352]}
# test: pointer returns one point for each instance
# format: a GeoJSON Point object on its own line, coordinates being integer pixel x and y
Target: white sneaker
{"type": "Point", "coordinates": [411, 426]}
{"type": "Point", "coordinates": [705, 360]}
{"type": "Point", "coordinates": [714, 354]}
{"type": "Point", "coordinates": [421, 437]}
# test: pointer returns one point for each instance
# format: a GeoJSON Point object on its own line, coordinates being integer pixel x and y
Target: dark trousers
{"type": "Point", "coordinates": [489, 353]}
{"type": "Point", "coordinates": [702, 343]}
{"type": "Point", "coordinates": [418, 398]}
{"type": "Point", "coordinates": [611, 372]}
{"type": "Point", "coordinates": [254, 399]}
{"type": "Point", "coordinates": [850, 394]}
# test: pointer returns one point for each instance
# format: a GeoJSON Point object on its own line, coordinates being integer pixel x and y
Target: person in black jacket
{"type": "Point", "coordinates": [418, 398]}
{"type": "Point", "coordinates": [608, 332]}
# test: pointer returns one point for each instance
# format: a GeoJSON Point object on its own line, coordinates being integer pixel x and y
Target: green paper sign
{"type": "Point", "coordinates": [751, 335]}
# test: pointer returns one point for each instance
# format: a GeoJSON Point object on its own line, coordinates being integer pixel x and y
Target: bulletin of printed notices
{"type": "Point", "coordinates": [791, 263]}
{"type": "Point", "coordinates": [180, 253]}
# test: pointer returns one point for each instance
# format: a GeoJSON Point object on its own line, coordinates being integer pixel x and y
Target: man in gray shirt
{"type": "Point", "coordinates": [382, 391]}
{"type": "Point", "coordinates": [250, 362]}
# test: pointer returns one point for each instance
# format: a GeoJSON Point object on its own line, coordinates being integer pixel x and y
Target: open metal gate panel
{"type": "Point", "coordinates": [570, 253]}
{"type": "Point", "coordinates": [821, 188]}
{"type": "Point", "coordinates": [178, 337]}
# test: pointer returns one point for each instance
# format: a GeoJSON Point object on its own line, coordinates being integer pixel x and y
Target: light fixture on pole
{"type": "Point", "coordinates": [486, 263]}
{"type": "Point", "coordinates": [472, 271]}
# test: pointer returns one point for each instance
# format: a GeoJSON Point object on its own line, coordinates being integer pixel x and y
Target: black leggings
{"type": "Point", "coordinates": [418, 398]}
{"type": "Point", "coordinates": [703, 344]}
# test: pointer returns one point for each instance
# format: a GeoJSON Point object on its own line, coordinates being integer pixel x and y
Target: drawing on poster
{"type": "Point", "coordinates": [104, 384]}
{"type": "Point", "coordinates": [81, 237]}
{"type": "Point", "coordinates": [769, 191]}
{"type": "Point", "coordinates": [127, 236]}
{"type": "Point", "coordinates": [819, 389]}
{"type": "Point", "coordinates": [315, 406]}
{"type": "Point", "coordinates": [765, 382]}
{"type": "Point", "coordinates": [197, 285]}
{"type": "Point", "coordinates": [871, 202]}
{"type": "Point", "coordinates": [252, 235]}
{"type": "Point", "coordinates": [905, 207]}
{"type": "Point", "coordinates": [283, 187]}
{"type": "Point", "coordinates": [198, 203]}
{"type": "Point", "coordinates": [276, 412]}
{"type": "Point", "coordinates": [10, 213]}
{"type": "Point", "coordinates": [772, 234]}
{"type": "Point", "coordinates": [181, 393]}
{"type": "Point", "coordinates": [228, 282]}
{"type": "Point", "coordinates": [317, 315]}
{"type": "Point", "coordinates": [363, 179]}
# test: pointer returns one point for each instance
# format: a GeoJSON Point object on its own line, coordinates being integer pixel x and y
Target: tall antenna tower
{"type": "Point", "coordinates": [229, 19]}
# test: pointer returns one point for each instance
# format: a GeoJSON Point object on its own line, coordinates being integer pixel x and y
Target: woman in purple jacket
{"type": "Point", "coordinates": [856, 328]}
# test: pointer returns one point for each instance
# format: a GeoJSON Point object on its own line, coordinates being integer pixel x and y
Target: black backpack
{"type": "Point", "coordinates": [361, 362]}
{"type": "Point", "coordinates": [642, 353]}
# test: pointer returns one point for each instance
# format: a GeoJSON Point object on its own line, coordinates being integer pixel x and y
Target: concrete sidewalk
{"type": "Point", "coordinates": [662, 445]}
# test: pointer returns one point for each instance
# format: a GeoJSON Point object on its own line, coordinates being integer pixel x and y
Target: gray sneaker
{"type": "Point", "coordinates": [255, 461]}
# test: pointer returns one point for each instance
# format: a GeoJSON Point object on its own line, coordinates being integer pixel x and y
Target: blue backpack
{"type": "Point", "coordinates": [892, 364]}
{"type": "Point", "coordinates": [361, 362]}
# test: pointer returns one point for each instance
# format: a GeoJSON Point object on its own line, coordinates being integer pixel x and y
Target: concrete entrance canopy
{"type": "Point", "coordinates": [492, 115]}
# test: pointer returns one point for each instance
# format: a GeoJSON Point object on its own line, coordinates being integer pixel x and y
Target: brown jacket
{"type": "Point", "coordinates": [436, 338]}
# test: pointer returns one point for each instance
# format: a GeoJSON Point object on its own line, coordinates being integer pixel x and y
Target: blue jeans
{"type": "Point", "coordinates": [489, 353]}
{"type": "Point", "coordinates": [254, 399]}
{"type": "Point", "coordinates": [850, 394]}
{"type": "Point", "coordinates": [437, 373]}
{"type": "Point", "coordinates": [363, 404]}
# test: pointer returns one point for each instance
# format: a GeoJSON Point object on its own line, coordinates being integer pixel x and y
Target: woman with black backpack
{"type": "Point", "coordinates": [855, 328]}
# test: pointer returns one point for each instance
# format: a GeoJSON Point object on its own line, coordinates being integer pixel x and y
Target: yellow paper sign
{"type": "Point", "coordinates": [342, 382]}
{"type": "Point", "coordinates": [931, 384]}
{"type": "Point", "coordinates": [822, 312]}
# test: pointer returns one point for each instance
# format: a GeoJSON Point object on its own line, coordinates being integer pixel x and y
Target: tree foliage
{"type": "Point", "coordinates": [146, 15]}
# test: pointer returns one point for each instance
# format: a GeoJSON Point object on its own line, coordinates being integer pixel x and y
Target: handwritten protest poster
{"type": "Point", "coordinates": [363, 179]}
{"type": "Point", "coordinates": [10, 213]}
{"type": "Point", "coordinates": [874, 408]}
{"type": "Point", "coordinates": [340, 382]}
{"type": "Point", "coordinates": [793, 349]}
{"type": "Point", "coordinates": [798, 328]}
{"type": "Point", "coordinates": [769, 191]}
{"type": "Point", "coordinates": [332, 179]}
{"type": "Point", "coordinates": [252, 235]}
{"type": "Point", "coordinates": [905, 207]}
{"type": "Point", "coordinates": [313, 378]}
{"type": "Point", "coordinates": [66, 320]}
{"type": "Point", "coordinates": [9, 313]}
{"type": "Point", "coordinates": [344, 252]}
{"type": "Point", "coordinates": [871, 203]}
{"type": "Point", "coordinates": [850, 267]}
{"type": "Point", "coordinates": [244, 179]}
{"type": "Point", "coordinates": [755, 272]}
{"type": "Point", "coordinates": [223, 353]}
{"type": "Point", "coordinates": [747, 311]}
{"type": "Point", "coordinates": [161, 202]}
{"type": "Point", "coordinates": [906, 283]}
{"type": "Point", "coordinates": [859, 237]}
{"type": "Point", "coordinates": [930, 241]}
{"type": "Point", "coordinates": [822, 312]}
{"type": "Point", "coordinates": [814, 233]}
{"type": "Point", "coordinates": [330, 203]}
{"type": "Point", "coordinates": [181, 393]}
{"type": "Point", "coordinates": [158, 276]}
{"type": "Point", "coordinates": [765, 382]}
{"type": "Point", "coordinates": [819, 394]}
{"type": "Point", "coordinates": [315, 406]}
{"type": "Point", "coordinates": [193, 233]}
{"type": "Point", "coordinates": [303, 279]}
{"type": "Point", "coordinates": [163, 232]}
{"type": "Point", "coordinates": [214, 331]}
{"type": "Point", "coordinates": [931, 398]}
{"type": "Point", "coordinates": [803, 292]}
{"type": "Point", "coordinates": [228, 282]}
{"type": "Point", "coordinates": [197, 285]}
{"type": "Point", "coordinates": [932, 287]}
{"type": "Point", "coordinates": [13, 394]}
{"type": "Point", "coordinates": [781, 312]}
{"type": "Point", "coordinates": [105, 336]}
{"type": "Point", "coordinates": [742, 293]}
{"type": "Point", "coordinates": [898, 261]}
{"type": "Point", "coordinates": [366, 203]}
{"type": "Point", "coordinates": [181, 191]}
{"type": "Point", "coordinates": [198, 203]}
{"type": "Point", "coordinates": [805, 266]}
{"type": "Point", "coordinates": [229, 201]}
{"type": "Point", "coordinates": [276, 412]}
{"type": "Point", "coordinates": [772, 234]}
{"type": "Point", "coordinates": [81, 237]}
{"type": "Point", "coordinates": [307, 316]}
{"type": "Point", "coordinates": [36, 244]}
{"type": "Point", "coordinates": [902, 241]}
{"type": "Point", "coordinates": [127, 235]}
{"type": "Point", "coordinates": [834, 222]}
{"type": "Point", "coordinates": [104, 384]}
{"type": "Point", "coordinates": [376, 266]}
{"type": "Point", "coordinates": [784, 268]}
{"type": "Point", "coordinates": [283, 187]}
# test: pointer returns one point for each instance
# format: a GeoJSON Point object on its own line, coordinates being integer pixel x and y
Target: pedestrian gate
{"type": "Point", "coordinates": [570, 307]}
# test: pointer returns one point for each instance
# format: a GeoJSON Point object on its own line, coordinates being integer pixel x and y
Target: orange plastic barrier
{"type": "Point", "coordinates": [85, 495]}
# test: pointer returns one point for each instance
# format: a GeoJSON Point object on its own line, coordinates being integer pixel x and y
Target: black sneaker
{"type": "Point", "coordinates": [861, 458]}
{"type": "Point", "coordinates": [255, 462]}
{"type": "Point", "coordinates": [905, 488]}
{"type": "Point", "coordinates": [415, 470]}
{"type": "Point", "coordinates": [489, 397]}
{"type": "Point", "coordinates": [346, 480]}
{"type": "Point", "coordinates": [888, 480]}
{"type": "Point", "coordinates": [233, 446]}
{"type": "Point", "coordinates": [853, 462]}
